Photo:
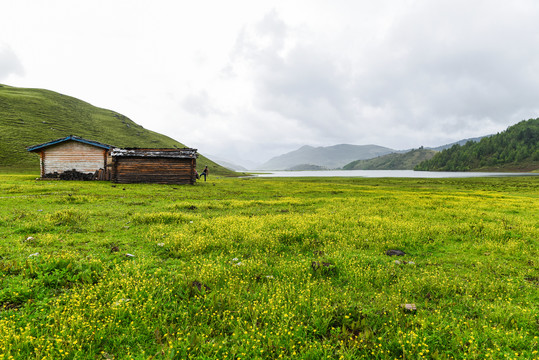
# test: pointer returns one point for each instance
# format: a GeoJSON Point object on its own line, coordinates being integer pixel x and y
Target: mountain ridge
{"type": "Point", "coordinates": [31, 116]}
{"type": "Point", "coordinates": [393, 161]}
{"type": "Point", "coordinates": [330, 157]}
{"type": "Point", "coordinates": [460, 142]}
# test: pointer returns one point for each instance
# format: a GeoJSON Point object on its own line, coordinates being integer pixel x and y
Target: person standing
{"type": "Point", "coordinates": [205, 172]}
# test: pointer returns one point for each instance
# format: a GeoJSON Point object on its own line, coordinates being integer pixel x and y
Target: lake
{"type": "Point", "coordinates": [385, 174]}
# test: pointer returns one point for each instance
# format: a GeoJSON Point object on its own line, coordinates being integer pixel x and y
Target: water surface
{"type": "Point", "coordinates": [386, 173]}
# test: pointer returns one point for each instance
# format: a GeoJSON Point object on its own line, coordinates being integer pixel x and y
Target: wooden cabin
{"type": "Point", "coordinates": [74, 158]}
{"type": "Point", "coordinates": [164, 166]}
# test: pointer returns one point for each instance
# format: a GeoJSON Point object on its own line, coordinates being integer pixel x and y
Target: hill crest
{"type": "Point", "coordinates": [34, 116]}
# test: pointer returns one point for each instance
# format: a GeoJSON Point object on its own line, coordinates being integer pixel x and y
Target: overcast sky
{"type": "Point", "coordinates": [248, 80]}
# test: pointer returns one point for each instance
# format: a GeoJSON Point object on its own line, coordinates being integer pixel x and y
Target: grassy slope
{"type": "Point", "coordinates": [471, 247]}
{"type": "Point", "coordinates": [405, 161]}
{"type": "Point", "coordinates": [34, 116]}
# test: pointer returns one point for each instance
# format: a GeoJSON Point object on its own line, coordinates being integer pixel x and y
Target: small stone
{"type": "Point", "coordinates": [395, 253]}
{"type": "Point", "coordinates": [409, 307]}
{"type": "Point", "coordinates": [119, 302]}
{"type": "Point", "coordinates": [200, 286]}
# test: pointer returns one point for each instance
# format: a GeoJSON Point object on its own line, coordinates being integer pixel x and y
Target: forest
{"type": "Point", "coordinates": [516, 148]}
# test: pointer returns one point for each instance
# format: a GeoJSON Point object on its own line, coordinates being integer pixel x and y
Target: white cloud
{"type": "Point", "coordinates": [9, 63]}
{"type": "Point", "coordinates": [250, 79]}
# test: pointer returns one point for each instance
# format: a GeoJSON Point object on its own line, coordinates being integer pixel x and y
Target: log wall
{"type": "Point", "coordinates": [153, 170]}
{"type": "Point", "coordinates": [72, 155]}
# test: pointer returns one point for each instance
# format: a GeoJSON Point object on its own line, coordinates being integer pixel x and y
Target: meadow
{"type": "Point", "coordinates": [256, 268]}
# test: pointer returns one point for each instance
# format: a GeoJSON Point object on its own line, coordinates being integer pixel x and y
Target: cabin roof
{"type": "Point", "coordinates": [185, 153]}
{"type": "Point", "coordinates": [69, 138]}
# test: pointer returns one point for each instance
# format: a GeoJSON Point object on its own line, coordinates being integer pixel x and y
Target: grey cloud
{"type": "Point", "coordinates": [457, 65]}
{"type": "Point", "coordinates": [296, 85]}
{"type": "Point", "coordinates": [301, 83]}
{"type": "Point", "coordinates": [438, 70]}
{"type": "Point", "coordinates": [273, 30]}
{"type": "Point", "coordinates": [9, 62]}
{"type": "Point", "coordinates": [433, 63]}
{"type": "Point", "coordinates": [198, 104]}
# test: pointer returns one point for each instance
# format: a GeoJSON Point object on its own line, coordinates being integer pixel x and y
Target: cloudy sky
{"type": "Point", "coordinates": [248, 80]}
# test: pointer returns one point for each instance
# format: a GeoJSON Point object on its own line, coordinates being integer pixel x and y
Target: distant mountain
{"type": "Point", "coordinates": [238, 164]}
{"type": "Point", "coordinates": [34, 116]}
{"type": "Point", "coordinates": [225, 163]}
{"type": "Point", "coordinates": [231, 166]}
{"type": "Point", "coordinates": [406, 161]}
{"type": "Point", "coordinates": [460, 142]}
{"type": "Point", "coordinates": [515, 149]}
{"type": "Point", "coordinates": [304, 167]}
{"type": "Point", "coordinates": [330, 157]}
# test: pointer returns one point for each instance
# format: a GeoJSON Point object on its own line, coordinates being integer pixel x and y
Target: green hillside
{"type": "Point", "coordinates": [34, 116]}
{"type": "Point", "coordinates": [406, 161]}
{"type": "Point", "coordinates": [515, 149]}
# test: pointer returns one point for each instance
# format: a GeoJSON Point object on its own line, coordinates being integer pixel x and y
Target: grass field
{"type": "Point", "coordinates": [270, 268]}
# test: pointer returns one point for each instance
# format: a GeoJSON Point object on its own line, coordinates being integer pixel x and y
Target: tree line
{"type": "Point", "coordinates": [518, 144]}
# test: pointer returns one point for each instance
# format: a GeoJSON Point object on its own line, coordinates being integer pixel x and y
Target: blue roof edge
{"type": "Point", "coordinates": [68, 138]}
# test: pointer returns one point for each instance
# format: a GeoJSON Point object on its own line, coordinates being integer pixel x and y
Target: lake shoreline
{"type": "Point", "coordinates": [386, 173]}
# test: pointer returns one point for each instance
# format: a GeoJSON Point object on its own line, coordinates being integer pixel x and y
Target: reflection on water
{"type": "Point", "coordinates": [384, 173]}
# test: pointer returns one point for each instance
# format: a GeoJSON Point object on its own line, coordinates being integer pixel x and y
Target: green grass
{"type": "Point", "coordinates": [34, 116]}
{"type": "Point", "coordinates": [269, 268]}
